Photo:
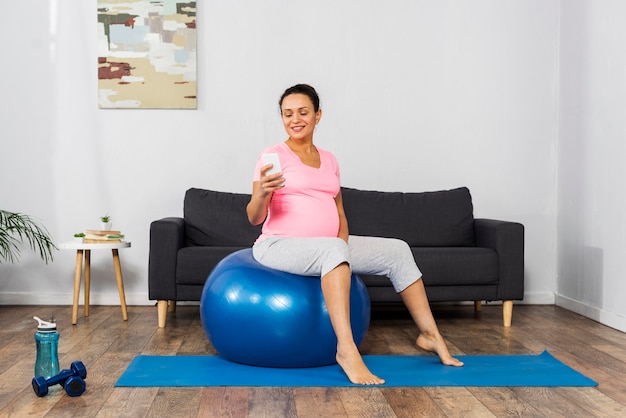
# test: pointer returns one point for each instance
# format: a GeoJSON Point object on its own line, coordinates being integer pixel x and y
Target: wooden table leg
{"type": "Point", "coordinates": [77, 274]}
{"type": "Point", "coordinates": [120, 282]}
{"type": "Point", "coordinates": [87, 279]}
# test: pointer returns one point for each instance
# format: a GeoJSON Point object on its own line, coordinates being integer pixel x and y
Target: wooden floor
{"type": "Point", "coordinates": [106, 345]}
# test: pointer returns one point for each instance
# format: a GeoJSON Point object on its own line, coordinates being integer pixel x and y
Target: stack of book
{"type": "Point", "coordinates": [102, 237]}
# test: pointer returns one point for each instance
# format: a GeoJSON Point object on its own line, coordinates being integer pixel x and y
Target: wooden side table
{"type": "Point", "coordinates": [83, 251]}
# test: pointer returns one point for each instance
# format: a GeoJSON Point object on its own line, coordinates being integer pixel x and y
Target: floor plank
{"type": "Point", "coordinates": [365, 402]}
{"type": "Point", "coordinates": [271, 403]}
{"type": "Point", "coordinates": [175, 402]}
{"type": "Point", "coordinates": [318, 402]}
{"type": "Point", "coordinates": [231, 402]}
{"type": "Point", "coordinates": [412, 402]}
{"type": "Point", "coordinates": [458, 402]}
{"type": "Point", "coordinates": [503, 402]}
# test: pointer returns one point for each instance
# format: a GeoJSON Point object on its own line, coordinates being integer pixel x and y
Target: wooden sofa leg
{"type": "Point", "coordinates": [162, 313]}
{"type": "Point", "coordinates": [507, 312]}
{"type": "Point", "coordinates": [171, 306]}
{"type": "Point", "coordinates": [477, 305]}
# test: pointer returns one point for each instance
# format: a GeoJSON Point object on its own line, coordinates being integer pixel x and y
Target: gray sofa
{"type": "Point", "coordinates": [462, 258]}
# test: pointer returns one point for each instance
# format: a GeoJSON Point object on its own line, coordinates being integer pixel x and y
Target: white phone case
{"type": "Point", "coordinates": [271, 158]}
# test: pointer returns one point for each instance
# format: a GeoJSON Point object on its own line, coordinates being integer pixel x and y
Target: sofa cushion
{"type": "Point", "coordinates": [428, 219]}
{"type": "Point", "coordinates": [194, 264]}
{"type": "Point", "coordinates": [450, 266]}
{"type": "Point", "coordinates": [218, 218]}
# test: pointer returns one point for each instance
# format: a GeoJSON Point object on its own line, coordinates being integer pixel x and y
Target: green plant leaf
{"type": "Point", "coordinates": [15, 229]}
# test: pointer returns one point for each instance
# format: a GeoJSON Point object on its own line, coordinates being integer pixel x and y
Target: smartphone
{"type": "Point", "coordinates": [271, 158]}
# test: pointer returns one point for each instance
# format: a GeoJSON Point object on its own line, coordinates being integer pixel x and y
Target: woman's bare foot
{"type": "Point", "coordinates": [436, 344]}
{"type": "Point", "coordinates": [351, 362]}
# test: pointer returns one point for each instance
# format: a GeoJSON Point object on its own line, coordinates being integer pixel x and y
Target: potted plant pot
{"type": "Point", "coordinates": [105, 223]}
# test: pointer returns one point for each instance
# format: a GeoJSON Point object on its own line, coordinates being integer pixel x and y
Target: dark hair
{"type": "Point", "coordinates": [301, 89]}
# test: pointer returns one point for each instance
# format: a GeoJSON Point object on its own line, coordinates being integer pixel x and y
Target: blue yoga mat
{"type": "Point", "coordinates": [489, 370]}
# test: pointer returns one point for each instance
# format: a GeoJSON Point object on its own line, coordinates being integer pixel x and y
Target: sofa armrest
{"type": "Point", "coordinates": [507, 239]}
{"type": "Point", "coordinates": [167, 236]}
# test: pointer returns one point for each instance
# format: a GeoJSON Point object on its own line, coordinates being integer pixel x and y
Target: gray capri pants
{"type": "Point", "coordinates": [317, 256]}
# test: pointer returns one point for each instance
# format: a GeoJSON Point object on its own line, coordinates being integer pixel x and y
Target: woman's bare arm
{"type": "Point", "coordinates": [262, 191]}
{"type": "Point", "coordinates": [343, 221]}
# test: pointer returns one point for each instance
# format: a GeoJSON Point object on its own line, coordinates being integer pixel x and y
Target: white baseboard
{"type": "Point", "coordinates": [109, 298]}
{"type": "Point", "coordinates": [141, 299]}
{"type": "Point", "coordinates": [536, 298]}
{"type": "Point", "coordinates": [597, 314]}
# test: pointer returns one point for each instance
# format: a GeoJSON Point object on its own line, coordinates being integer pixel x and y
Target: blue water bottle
{"type": "Point", "coordinates": [47, 340]}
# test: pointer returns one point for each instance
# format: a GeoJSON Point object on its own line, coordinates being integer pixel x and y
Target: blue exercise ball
{"type": "Point", "coordinates": [263, 317]}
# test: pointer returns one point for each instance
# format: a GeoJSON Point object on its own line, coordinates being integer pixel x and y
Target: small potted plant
{"type": "Point", "coordinates": [79, 237]}
{"type": "Point", "coordinates": [105, 223]}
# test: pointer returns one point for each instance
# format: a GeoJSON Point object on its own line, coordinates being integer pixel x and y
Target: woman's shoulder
{"type": "Point", "coordinates": [324, 154]}
{"type": "Point", "coordinates": [279, 148]}
{"type": "Point", "coordinates": [272, 148]}
{"type": "Point", "coordinates": [328, 160]}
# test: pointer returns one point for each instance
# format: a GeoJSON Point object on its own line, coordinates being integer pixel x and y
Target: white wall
{"type": "Point", "coordinates": [592, 155]}
{"type": "Point", "coordinates": [446, 93]}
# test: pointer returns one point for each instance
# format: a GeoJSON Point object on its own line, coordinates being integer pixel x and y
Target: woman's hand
{"type": "Point", "coordinates": [262, 191]}
{"type": "Point", "coordinates": [270, 183]}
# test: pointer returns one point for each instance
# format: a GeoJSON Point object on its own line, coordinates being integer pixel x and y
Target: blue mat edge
{"type": "Point", "coordinates": [332, 376]}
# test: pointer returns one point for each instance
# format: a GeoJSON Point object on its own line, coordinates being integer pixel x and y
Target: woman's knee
{"type": "Point", "coordinates": [397, 246]}
{"type": "Point", "coordinates": [338, 245]}
{"type": "Point", "coordinates": [337, 255]}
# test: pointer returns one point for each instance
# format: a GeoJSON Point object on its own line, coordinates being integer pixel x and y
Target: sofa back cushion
{"type": "Point", "coordinates": [429, 219]}
{"type": "Point", "coordinates": [218, 218]}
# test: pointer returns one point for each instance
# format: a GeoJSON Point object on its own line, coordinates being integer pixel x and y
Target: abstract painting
{"type": "Point", "coordinates": [147, 54]}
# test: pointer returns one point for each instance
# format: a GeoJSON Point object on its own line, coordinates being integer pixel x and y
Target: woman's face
{"type": "Point", "coordinates": [299, 117]}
